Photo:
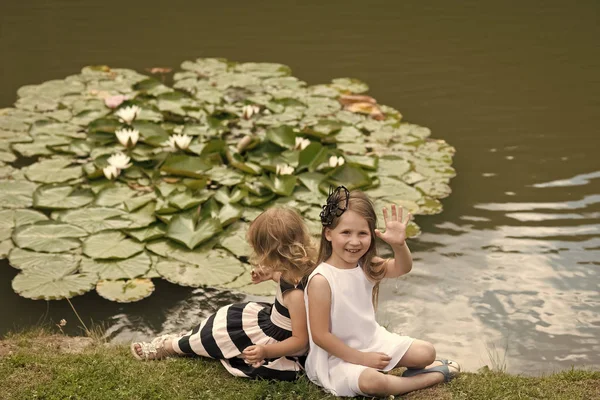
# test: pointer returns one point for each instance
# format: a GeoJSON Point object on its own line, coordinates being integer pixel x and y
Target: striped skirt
{"type": "Point", "coordinates": [225, 334]}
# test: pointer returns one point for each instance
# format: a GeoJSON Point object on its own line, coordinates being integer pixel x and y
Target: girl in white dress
{"type": "Point", "coordinates": [349, 350]}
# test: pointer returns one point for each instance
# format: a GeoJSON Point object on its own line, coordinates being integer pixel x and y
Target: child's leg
{"type": "Point", "coordinates": [157, 349]}
{"type": "Point", "coordinates": [375, 383]}
{"type": "Point", "coordinates": [420, 354]}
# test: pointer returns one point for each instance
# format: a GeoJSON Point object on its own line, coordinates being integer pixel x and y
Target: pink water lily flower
{"type": "Point", "coordinates": [115, 101]}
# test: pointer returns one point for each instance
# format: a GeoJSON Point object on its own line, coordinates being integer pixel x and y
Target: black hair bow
{"type": "Point", "coordinates": [333, 208]}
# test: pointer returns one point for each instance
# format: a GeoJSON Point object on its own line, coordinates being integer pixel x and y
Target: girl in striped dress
{"type": "Point", "coordinates": [255, 339]}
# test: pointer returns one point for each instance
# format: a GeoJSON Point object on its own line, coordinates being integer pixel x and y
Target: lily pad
{"type": "Point", "coordinates": [61, 197]}
{"type": "Point", "coordinates": [95, 219]}
{"type": "Point", "coordinates": [110, 245]}
{"type": "Point", "coordinates": [234, 240]}
{"type": "Point", "coordinates": [183, 229]}
{"type": "Point", "coordinates": [10, 219]}
{"type": "Point", "coordinates": [48, 236]}
{"type": "Point", "coordinates": [217, 268]}
{"type": "Point", "coordinates": [125, 291]}
{"type": "Point", "coordinates": [26, 259]}
{"type": "Point", "coordinates": [52, 283]}
{"type": "Point", "coordinates": [129, 268]}
{"type": "Point", "coordinates": [16, 194]}
{"type": "Point", "coordinates": [244, 284]}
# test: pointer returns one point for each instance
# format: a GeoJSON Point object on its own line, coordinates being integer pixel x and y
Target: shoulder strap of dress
{"type": "Point", "coordinates": [285, 286]}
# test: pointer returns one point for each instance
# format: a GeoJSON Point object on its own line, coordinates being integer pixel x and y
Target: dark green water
{"type": "Point", "coordinates": [512, 264]}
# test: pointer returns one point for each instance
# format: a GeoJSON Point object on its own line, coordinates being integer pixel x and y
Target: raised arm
{"type": "Point", "coordinates": [297, 344]}
{"type": "Point", "coordinates": [395, 236]}
{"type": "Point", "coordinates": [319, 306]}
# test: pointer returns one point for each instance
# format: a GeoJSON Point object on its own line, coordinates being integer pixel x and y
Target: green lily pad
{"type": "Point", "coordinates": [52, 283]}
{"type": "Point", "coordinates": [183, 165]}
{"type": "Point", "coordinates": [95, 219]}
{"type": "Point", "coordinates": [16, 194]}
{"type": "Point", "coordinates": [217, 268]}
{"type": "Point", "coordinates": [61, 197]}
{"type": "Point", "coordinates": [169, 249]}
{"type": "Point", "coordinates": [5, 247]}
{"type": "Point", "coordinates": [125, 291]}
{"type": "Point", "coordinates": [10, 219]}
{"type": "Point", "coordinates": [244, 284]}
{"type": "Point", "coordinates": [234, 240]}
{"type": "Point", "coordinates": [154, 231]}
{"type": "Point", "coordinates": [183, 229]}
{"type": "Point", "coordinates": [110, 245]}
{"type": "Point", "coordinates": [48, 236]}
{"type": "Point", "coordinates": [350, 176]}
{"type": "Point", "coordinates": [128, 268]}
{"type": "Point", "coordinates": [283, 136]}
{"type": "Point", "coordinates": [350, 85]}
{"type": "Point", "coordinates": [26, 259]}
{"type": "Point", "coordinates": [53, 171]}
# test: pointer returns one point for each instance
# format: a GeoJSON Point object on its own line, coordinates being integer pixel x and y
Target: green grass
{"type": "Point", "coordinates": [38, 365]}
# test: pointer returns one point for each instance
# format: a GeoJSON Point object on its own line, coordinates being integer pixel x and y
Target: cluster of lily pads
{"type": "Point", "coordinates": [111, 178]}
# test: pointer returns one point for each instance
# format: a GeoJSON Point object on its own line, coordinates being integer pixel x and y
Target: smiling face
{"type": "Point", "coordinates": [350, 240]}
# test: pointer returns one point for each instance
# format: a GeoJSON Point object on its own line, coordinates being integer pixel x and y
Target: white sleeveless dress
{"type": "Point", "coordinates": [353, 321]}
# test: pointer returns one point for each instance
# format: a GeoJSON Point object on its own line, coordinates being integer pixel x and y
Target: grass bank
{"type": "Point", "coordinates": [40, 365]}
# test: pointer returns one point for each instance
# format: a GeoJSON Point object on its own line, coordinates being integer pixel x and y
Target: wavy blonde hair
{"type": "Point", "coordinates": [362, 205]}
{"type": "Point", "coordinates": [280, 241]}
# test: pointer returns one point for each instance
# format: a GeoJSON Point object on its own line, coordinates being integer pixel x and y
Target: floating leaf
{"type": "Point", "coordinates": [217, 268]}
{"type": "Point", "coordinates": [183, 165]}
{"type": "Point", "coordinates": [48, 236]}
{"type": "Point", "coordinates": [244, 284]}
{"type": "Point", "coordinates": [148, 233]}
{"type": "Point", "coordinates": [26, 259]}
{"type": "Point", "coordinates": [115, 195]}
{"type": "Point", "coordinates": [125, 291]}
{"type": "Point", "coordinates": [61, 197]}
{"type": "Point", "coordinates": [128, 268]}
{"type": "Point", "coordinates": [95, 219]}
{"type": "Point", "coordinates": [234, 240]}
{"type": "Point", "coordinates": [52, 283]}
{"type": "Point", "coordinates": [109, 245]}
{"type": "Point", "coordinates": [16, 194]}
{"type": "Point", "coordinates": [183, 229]}
{"type": "Point", "coordinates": [5, 247]}
{"type": "Point", "coordinates": [10, 219]}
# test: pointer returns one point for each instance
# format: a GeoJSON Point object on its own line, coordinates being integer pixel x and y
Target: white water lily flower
{"type": "Point", "coordinates": [179, 141]}
{"type": "Point", "coordinates": [119, 160]}
{"type": "Point", "coordinates": [249, 110]}
{"type": "Point", "coordinates": [336, 161]}
{"type": "Point", "coordinates": [284, 169]}
{"type": "Point", "coordinates": [128, 114]}
{"type": "Point", "coordinates": [128, 137]}
{"type": "Point", "coordinates": [111, 172]}
{"type": "Point", "coordinates": [301, 143]}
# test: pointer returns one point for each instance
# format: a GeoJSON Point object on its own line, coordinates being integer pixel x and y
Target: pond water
{"type": "Point", "coordinates": [509, 273]}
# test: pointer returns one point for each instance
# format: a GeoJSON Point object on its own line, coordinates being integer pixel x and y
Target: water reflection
{"type": "Point", "coordinates": [529, 293]}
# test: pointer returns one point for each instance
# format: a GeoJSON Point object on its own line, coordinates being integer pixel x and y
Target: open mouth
{"type": "Point", "coordinates": [353, 251]}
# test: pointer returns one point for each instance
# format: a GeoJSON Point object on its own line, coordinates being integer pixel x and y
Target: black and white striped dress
{"type": "Point", "coordinates": [225, 334]}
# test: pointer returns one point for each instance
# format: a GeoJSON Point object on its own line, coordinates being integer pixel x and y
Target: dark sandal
{"type": "Point", "coordinates": [444, 369]}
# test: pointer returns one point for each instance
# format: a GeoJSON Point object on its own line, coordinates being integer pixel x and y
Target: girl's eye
{"type": "Point", "coordinates": [345, 232]}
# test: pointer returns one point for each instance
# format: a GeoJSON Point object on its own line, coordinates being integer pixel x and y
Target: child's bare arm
{"type": "Point", "coordinates": [395, 236]}
{"type": "Point", "coordinates": [297, 344]}
{"type": "Point", "coordinates": [319, 306]}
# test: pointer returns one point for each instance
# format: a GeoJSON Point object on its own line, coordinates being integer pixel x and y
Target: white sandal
{"type": "Point", "coordinates": [154, 350]}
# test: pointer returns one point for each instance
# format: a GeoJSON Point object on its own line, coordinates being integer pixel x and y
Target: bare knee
{"type": "Point", "coordinates": [419, 355]}
{"type": "Point", "coordinates": [373, 383]}
{"type": "Point", "coordinates": [428, 353]}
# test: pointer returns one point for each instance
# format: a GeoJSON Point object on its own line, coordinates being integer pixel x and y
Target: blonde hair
{"type": "Point", "coordinates": [362, 205]}
{"type": "Point", "coordinates": [280, 241]}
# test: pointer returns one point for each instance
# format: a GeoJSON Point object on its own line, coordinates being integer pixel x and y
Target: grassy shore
{"type": "Point", "coordinates": [41, 365]}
